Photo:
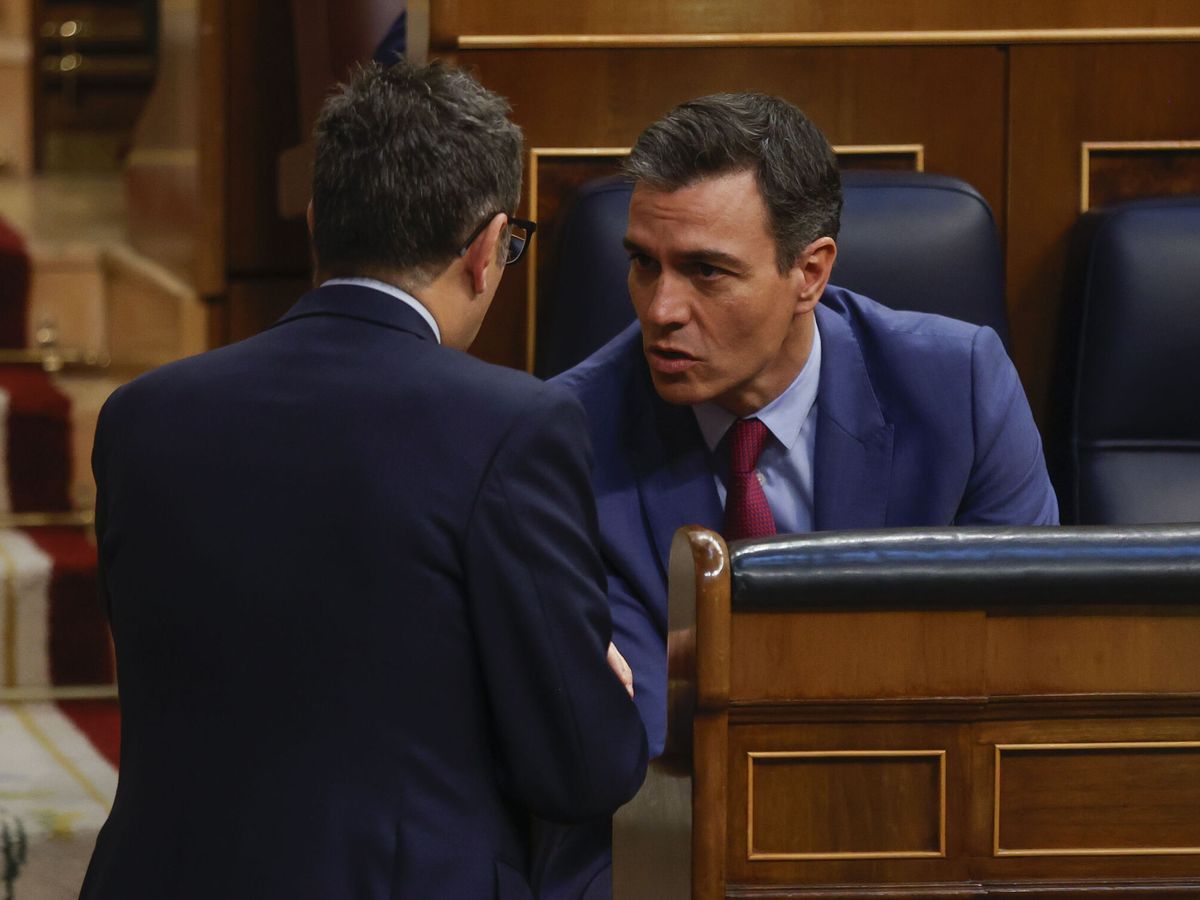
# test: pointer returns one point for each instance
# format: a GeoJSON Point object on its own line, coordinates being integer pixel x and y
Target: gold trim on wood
{"type": "Point", "coordinates": [63, 692]}
{"type": "Point", "coordinates": [940, 755]}
{"type": "Point", "coordinates": [74, 518]}
{"type": "Point", "coordinates": [823, 38]}
{"type": "Point", "coordinates": [917, 151]}
{"type": "Point", "coordinates": [54, 359]}
{"type": "Point", "coordinates": [9, 585]}
{"type": "Point", "coordinates": [1088, 147]}
{"type": "Point", "coordinates": [1084, 851]}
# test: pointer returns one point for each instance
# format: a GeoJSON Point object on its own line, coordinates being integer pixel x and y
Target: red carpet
{"type": "Point", "coordinates": [79, 645]}
{"type": "Point", "coordinates": [100, 721]}
{"type": "Point", "coordinates": [37, 440]}
{"type": "Point", "coordinates": [14, 287]}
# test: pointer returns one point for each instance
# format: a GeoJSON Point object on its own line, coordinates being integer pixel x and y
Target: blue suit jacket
{"type": "Point", "coordinates": [359, 617]}
{"type": "Point", "coordinates": [921, 420]}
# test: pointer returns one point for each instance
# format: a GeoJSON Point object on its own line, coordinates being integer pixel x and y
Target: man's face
{"type": "Point", "coordinates": [718, 320]}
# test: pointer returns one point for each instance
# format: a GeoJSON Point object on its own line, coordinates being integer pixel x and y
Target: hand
{"type": "Point", "coordinates": [617, 663]}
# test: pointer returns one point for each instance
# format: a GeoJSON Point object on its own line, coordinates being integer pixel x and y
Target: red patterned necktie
{"type": "Point", "coordinates": [747, 514]}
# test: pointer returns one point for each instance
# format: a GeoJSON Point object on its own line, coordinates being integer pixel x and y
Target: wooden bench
{"type": "Point", "coordinates": [927, 713]}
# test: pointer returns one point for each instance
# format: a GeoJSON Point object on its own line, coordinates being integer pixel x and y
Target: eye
{"type": "Point", "coordinates": [708, 272]}
{"type": "Point", "coordinates": [641, 261]}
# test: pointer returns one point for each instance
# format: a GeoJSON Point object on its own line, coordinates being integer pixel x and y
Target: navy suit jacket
{"type": "Point", "coordinates": [921, 420]}
{"type": "Point", "coordinates": [359, 617]}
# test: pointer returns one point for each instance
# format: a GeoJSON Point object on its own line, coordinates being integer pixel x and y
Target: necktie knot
{"type": "Point", "coordinates": [746, 441]}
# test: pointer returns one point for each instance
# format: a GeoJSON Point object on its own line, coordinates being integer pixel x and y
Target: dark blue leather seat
{"type": "Point", "coordinates": [1135, 428]}
{"type": "Point", "coordinates": [910, 240]}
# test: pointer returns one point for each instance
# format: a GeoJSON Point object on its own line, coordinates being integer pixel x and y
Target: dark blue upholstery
{"type": "Point", "coordinates": [1135, 433]}
{"type": "Point", "coordinates": [910, 240]}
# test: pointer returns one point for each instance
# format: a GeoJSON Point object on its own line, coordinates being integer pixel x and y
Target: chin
{"type": "Point", "coordinates": [680, 393]}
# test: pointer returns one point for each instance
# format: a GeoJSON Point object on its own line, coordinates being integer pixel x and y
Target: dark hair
{"type": "Point", "coordinates": [409, 160]}
{"type": "Point", "coordinates": [796, 169]}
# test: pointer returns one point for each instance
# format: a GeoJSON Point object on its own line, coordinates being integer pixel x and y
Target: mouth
{"type": "Point", "coordinates": [669, 360]}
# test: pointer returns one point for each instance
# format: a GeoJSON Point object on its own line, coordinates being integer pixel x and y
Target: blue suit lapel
{"type": "Point", "coordinates": [675, 480]}
{"type": "Point", "coordinates": [853, 458]}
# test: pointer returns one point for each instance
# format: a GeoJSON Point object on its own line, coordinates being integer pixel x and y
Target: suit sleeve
{"type": "Point", "coordinates": [1009, 484]}
{"type": "Point", "coordinates": [571, 744]}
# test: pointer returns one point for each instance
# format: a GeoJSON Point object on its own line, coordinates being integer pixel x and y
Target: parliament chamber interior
{"type": "Point", "coordinates": [899, 713]}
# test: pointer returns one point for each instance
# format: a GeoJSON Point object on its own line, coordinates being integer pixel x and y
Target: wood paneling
{"type": "Point", "coordinates": [451, 18]}
{"type": "Point", "coordinates": [554, 178]}
{"type": "Point", "coordinates": [1074, 789]}
{"type": "Point", "coordinates": [858, 96]}
{"type": "Point", "coordinates": [1090, 799]}
{"type": "Point", "coordinates": [1118, 171]}
{"type": "Point", "coordinates": [254, 304]}
{"type": "Point", "coordinates": [828, 655]}
{"type": "Point", "coordinates": [1061, 97]}
{"type": "Point", "coordinates": [264, 120]}
{"type": "Point", "coordinates": [893, 810]}
{"type": "Point", "coordinates": [1120, 799]}
{"type": "Point", "coordinates": [1045, 653]}
{"type": "Point", "coordinates": [822, 804]}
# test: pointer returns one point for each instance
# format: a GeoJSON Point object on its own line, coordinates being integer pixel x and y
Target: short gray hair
{"type": "Point", "coordinates": [409, 160]}
{"type": "Point", "coordinates": [796, 169]}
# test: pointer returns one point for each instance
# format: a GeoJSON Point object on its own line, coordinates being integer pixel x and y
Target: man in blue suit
{"type": "Point", "coordinates": [752, 397]}
{"type": "Point", "coordinates": [359, 616]}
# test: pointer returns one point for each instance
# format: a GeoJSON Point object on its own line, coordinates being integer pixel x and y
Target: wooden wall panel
{"type": "Point", "coordinates": [830, 655]}
{"type": "Point", "coordinates": [1061, 97]}
{"type": "Point", "coordinates": [1091, 800]}
{"type": "Point", "coordinates": [264, 120]}
{"type": "Point", "coordinates": [1115, 171]}
{"type": "Point", "coordinates": [451, 18]}
{"type": "Point", "coordinates": [863, 95]}
{"type": "Point", "coordinates": [1060, 654]}
{"type": "Point", "coordinates": [905, 785]}
{"type": "Point", "coordinates": [1098, 799]}
{"type": "Point", "coordinates": [809, 804]}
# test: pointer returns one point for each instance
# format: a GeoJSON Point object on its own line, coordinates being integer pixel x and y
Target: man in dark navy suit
{"type": "Point", "coordinates": [360, 623]}
{"type": "Point", "coordinates": [753, 397]}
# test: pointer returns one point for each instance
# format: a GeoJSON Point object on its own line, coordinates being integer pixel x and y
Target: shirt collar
{"type": "Point", "coordinates": [402, 296]}
{"type": "Point", "coordinates": [784, 416]}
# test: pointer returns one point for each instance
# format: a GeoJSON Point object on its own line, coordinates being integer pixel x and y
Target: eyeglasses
{"type": "Point", "coordinates": [519, 233]}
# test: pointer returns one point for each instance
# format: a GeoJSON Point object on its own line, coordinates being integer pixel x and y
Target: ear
{"type": "Point", "coordinates": [481, 260]}
{"type": "Point", "coordinates": [310, 218]}
{"type": "Point", "coordinates": [811, 272]}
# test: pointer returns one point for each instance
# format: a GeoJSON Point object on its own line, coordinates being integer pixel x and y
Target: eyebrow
{"type": "Point", "coordinates": [713, 257]}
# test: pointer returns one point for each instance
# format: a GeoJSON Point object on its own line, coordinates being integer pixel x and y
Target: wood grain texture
{"type": "Point", "coordinates": [1155, 652]}
{"type": "Point", "coordinates": [1098, 799]}
{"type": "Point", "coordinates": [1061, 97]}
{"type": "Point", "coordinates": [452, 18]}
{"type": "Point", "coordinates": [1043, 803]}
{"type": "Point", "coordinates": [263, 122]}
{"type": "Point", "coordinates": [1115, 172]}
{"type": "Point", "coordinates": [873, 817]}
{"type": "Point", "coordinates": [828, 655]}
{"type": "Point", "coordinates": [886, 804]}
{"type": "Point", "coordinates": [859, 96]}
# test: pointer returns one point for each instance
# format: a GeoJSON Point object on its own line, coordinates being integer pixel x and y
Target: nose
{"type": "Point", "coordinates": [668, 306]}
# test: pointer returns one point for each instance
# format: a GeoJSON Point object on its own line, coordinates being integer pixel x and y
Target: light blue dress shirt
{"type": "Point", "coordinates": [402, 296]}
{"type": "Point", "coordinates": [785, 467]}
